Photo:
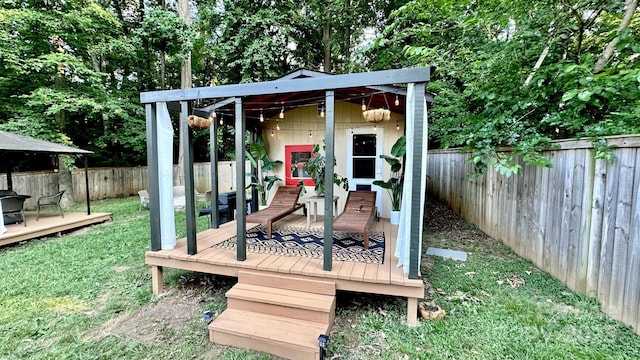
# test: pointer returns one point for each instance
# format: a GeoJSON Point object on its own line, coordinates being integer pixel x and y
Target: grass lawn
{"type": "Point", "coordinates": [87, 295]}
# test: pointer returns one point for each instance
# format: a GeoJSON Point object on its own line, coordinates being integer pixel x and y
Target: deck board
{"type": "Point", "coordinates": [384, 278]}
{"type": "Point", "coordinates": [50, 224]}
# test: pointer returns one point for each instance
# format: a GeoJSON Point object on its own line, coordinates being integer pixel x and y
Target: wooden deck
{"type": "Point", "coordinates": [49, 223]}
{"type": "Point", "coordinates": [385, 278]}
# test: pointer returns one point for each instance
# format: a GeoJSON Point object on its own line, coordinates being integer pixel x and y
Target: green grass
{"type": "Point", "coordinates": [59, 296]}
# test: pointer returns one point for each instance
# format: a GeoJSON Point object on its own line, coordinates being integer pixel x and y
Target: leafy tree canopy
{"type": "Point", "coordinates": [490, 90]}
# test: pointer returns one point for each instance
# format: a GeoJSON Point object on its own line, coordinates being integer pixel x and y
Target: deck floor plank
{"type": "Point", "coordinates": [384, 278]}
{"type": "Point", "coordinates": [49, 224]}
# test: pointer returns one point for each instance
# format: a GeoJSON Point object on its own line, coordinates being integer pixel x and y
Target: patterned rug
{"type": "Point", "coordinates": [296, 241]}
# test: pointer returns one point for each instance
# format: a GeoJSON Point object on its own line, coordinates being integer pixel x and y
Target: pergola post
{"type": "Point", "coordinates": [240, 183]}
{"type": "Point", "coordinates": [416, 201]}
{"type": "Point", "coordinates": [192, 245]}
{"type": "Point", "coordinates": [152, 168]}
{"type": "Point", "coordinates": [328, 179]}
{"type": "Point", "coordinates": [213, 146]}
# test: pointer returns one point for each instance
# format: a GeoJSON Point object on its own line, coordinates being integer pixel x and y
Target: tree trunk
{"type": "Point", "coordinates": [326, 39]}
{"type": "Point", "coordinates": [543, 56]}
{"type": "Point", "coordinates": [185, 83]}
{"type": "Point", "coordinates": [607, 54]}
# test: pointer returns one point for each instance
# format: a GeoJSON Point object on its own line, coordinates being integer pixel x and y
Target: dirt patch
{"type": "Point", "coordinates": [172, 313]}
{"type": "Point", "coordinates": [447, 230]}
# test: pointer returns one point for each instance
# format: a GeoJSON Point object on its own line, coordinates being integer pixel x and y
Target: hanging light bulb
{"type": "Point", "coordinates": [322, 111]}
{"type": "Point", "coordinates": [221, 119]}
{"type": "Point", "coordinates": [277, 125]}
{"type": "Point", "coordinates": [212, 116]}
{"type": "Point", "coordinates": [281, 113]}
{"type": "Point", "coordinates": [261, 116]}
{"type": "Point", "coordinates": [397, 101]}
{"type": "Point", "coordinates": [364, 107]}
{"type": "Point", "coordinates": [271, 132]}
{"type": "Point", "coordinates": [310, 134]}
{"type": "Point", "coordinates": [397, 126]}
{"type": "Point", "coordinates": [375, 127]}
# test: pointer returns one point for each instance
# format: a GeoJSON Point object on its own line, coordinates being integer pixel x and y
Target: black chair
{"type": "Point", "coordinates": [226, 207]}
{"type": "Point", "coordinates": [51, 200]}
{"type": "Point", "coordinates": [4, 193]}
{"type": "Point", "coordinates": [13, 205]}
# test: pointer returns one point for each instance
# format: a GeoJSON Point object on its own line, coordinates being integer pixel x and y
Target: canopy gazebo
{"type": "Point", "coordinates": [15, 146]}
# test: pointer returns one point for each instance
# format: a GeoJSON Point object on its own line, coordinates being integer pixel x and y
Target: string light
{"type": "Point", "coordinates": [397, 126]}
{"type": "Point", "coordinates": [261, 116]}
{"type": "Point", "coordinates": [397, 101]}
{"type": "Point", "coordinates": [277, 125]}
{"type": "Point", "coordinates": [310, 134]}
{"type": "Point", "coordinates": [212, 116]}
{"type": "Point", "coordinates": [271, 132]}
{"type": "Point", "coordinates": [322, 111]}
{"type": "Point", "coordinates": [375, 128]}
{"type": "Point", "coordinates": [282, 113]}
{"type": "Point", "coordinates": [221, 119]}
{"type": "Point", "coordinates": [364, 107]}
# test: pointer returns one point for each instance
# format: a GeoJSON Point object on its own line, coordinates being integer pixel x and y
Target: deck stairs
{"type": "Point", "coordinates": [276, 314]}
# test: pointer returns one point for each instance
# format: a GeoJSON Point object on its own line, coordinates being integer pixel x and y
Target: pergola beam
{"type": "Point", "coordinates": [334, 82]}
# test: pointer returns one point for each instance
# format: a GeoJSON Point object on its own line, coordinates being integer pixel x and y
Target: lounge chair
{"type": "Point", "coordinates": [14, 205]}
{"type": "Point", "coordinates": [359, 212]}
{"type": "Point", "coordinates": [283, 203]}
{"type": "Point", "coordinates": [52, 201]}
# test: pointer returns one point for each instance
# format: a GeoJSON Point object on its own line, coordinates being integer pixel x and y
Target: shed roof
{"type": "Point", "coordinates": [10, 142]}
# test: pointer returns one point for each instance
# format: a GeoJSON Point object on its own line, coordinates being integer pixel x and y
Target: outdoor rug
{"type": "Point", "coordinates": [297, 241]}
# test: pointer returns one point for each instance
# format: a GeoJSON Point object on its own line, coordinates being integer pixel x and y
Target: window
{"type": "Point", "coordinates": [364, 156]}
{"type": "Point", "coordinates": [295, 156]}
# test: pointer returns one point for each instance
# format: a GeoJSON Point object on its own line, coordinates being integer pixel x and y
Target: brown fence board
{"type": "Point", "coordinates": [578, 220]}
{"type": "Point", "coordinates": [631, 293]}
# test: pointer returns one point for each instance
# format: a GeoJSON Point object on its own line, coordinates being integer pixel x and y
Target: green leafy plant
{"type": "Point", "coordinates": [394, 184]}
{"type": "Point", "coordinates": [265, 180]}
{"type": "Point", "coordinates": [315, 167]}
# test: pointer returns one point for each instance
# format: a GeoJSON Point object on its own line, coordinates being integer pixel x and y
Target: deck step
{"type": "Point", "coordinates": [294, 304]}
{"type": "Point", "coordinates": [276, 335]}
{"type": "Point", "coordinates": [276, 314]}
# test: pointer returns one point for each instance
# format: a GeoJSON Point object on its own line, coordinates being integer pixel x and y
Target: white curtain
{"type": "Point", "coordinates": [403, 243]}
{"type": "Point", "coordinates": [165, 178]}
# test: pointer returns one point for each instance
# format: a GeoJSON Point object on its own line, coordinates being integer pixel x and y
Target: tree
{"type": "Point", "coordinates": [516, 73]}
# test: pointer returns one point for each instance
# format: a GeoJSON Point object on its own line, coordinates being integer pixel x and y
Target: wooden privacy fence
{"type": "Point", "coordinates": [107, 183]}
{"type": "Point", "coordinates": [579, 220]}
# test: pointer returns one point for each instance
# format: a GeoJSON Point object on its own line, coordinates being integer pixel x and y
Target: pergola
{"type": "Point", "coordinates": [330, 86]}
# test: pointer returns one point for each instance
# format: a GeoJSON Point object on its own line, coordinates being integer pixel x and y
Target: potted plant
{"type": "Point", "coordinates": [315, 167]}
{"type": "Point", "coordinates": [394, 184]}
{"type": "Point", "coordinates": [265, 180]}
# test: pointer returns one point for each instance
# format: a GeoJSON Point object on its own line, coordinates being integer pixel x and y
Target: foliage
{"type": "Point", "coordinates": [316, 168]}
{"type": "Point", "coordinates": [72, 73]}
{"type": "Point", "coordinates": [395, 182]}
{"type": "Point", "coordinates": [265, 180]}
{"type": "Point", "coordinates": [490, 94]}
{"type": "Point", "coordinates": [166, 31]}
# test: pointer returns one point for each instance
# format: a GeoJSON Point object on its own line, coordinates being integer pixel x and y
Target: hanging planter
{"type": "Point", "coordinates": [377, 115]}
{"type": "Point", "coordinates": [198, 123]}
